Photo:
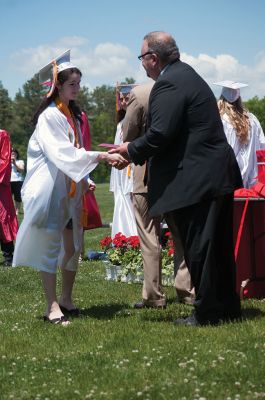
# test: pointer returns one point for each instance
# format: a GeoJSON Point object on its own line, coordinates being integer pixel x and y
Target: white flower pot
{"type": "Point", "coordinates": [112, 272]}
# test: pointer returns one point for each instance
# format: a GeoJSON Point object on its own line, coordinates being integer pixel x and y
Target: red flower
{"type": "Point", "coordinates": [170, 252]}
{"type": "Point", "coordinates": [133, 241]}
{"type": "Point", "coordinates": [167, 239]}
{"type": "Point", "coordinates": [119, 240]}
{"type": "Point", "coordinates": [105, 242]}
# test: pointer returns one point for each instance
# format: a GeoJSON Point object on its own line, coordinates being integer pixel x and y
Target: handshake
{"type": "Point", "coordinates": [118, 157]}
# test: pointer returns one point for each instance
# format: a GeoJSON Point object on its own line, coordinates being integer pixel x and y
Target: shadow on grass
{"type": "Point", "coordinates": [107, 311]}
{"type": "Point", "coordinates": [252, 313]}
{"type": "Point", "coordinates": [116, 310]}
{"type": "Point", "coordinates": [104, 311]}
{"type": "Point", "coordinates": [170, 315]}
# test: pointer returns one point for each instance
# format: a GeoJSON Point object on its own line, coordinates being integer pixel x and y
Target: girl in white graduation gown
{"type": "Point", "coordinates": [242, 129]}
{"type": "Point", "coordinates": [57, 167]}
{"type": "Point", "coordinates": [121, 182]}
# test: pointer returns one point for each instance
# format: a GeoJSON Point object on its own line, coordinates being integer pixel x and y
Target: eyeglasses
{"type": "Point", "coordinates": [124, 98]}
{"type": "Point", "coordinates": [145, 54]}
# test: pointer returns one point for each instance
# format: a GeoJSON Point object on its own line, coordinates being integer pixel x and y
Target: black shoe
{"type": "Point", "coordinates": [56, 321]}
{"type": "Point", "coordinates": [75, 312]}
{"type": "Point", "coordinates": [141, 305]}
{"type": "Point", "coordinates": [192, 320]}
{"type": "Point", "coordinates": [232, 317]}
{"type": "Point", "coordinates": [7, 263]}
{"type": "Point", "coordinates": [189, 321]}
{"type": "Point", "coordinates": [233, 313]}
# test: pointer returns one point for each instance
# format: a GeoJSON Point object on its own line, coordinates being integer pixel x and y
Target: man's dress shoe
{"type": "Point", "coordinates": [141, 305]}
{"type": "Point", "coordinates": [189, 321]}
{"type": "Point", "coordinates": [192, 320]}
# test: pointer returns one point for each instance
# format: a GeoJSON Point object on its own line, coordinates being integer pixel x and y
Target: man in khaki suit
{"type": "Point", "coordinates": [135, 125]}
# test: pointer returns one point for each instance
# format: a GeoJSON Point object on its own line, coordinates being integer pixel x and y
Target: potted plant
{"type": "Point", "coordinates": [125, 261]}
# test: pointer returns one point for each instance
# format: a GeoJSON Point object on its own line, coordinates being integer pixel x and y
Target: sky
{"type": "Point", "coordinates": [220, 39]}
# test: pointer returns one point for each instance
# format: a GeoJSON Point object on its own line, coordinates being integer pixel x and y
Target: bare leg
{"type": "Point", "coordinates": [49, 285]}
{"type": "Point", "coordinates": [68, 277]}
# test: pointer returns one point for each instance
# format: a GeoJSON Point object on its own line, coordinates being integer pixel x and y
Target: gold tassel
{"type": "Point", "coordinates": [54, 78]}
{"type": "Point", "coordinates": [72, 189]}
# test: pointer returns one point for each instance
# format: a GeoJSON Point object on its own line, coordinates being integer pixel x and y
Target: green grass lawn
{"type": "Point", "coordinates": [116, 352]}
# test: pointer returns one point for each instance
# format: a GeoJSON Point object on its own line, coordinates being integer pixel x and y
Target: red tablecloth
{"type": "Point", "coordinates": [251, 250]}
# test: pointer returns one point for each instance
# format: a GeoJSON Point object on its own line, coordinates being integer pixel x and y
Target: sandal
{"type": "Point", "coordinates": [56, 321]}
{"type": "Point", "coordinates": [74, 311]}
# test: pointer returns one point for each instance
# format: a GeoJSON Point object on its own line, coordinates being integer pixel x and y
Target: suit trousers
{"type": "Point", "coordinates": [206, 231]}
{"type": "Point", "coordinates": [149, 236]}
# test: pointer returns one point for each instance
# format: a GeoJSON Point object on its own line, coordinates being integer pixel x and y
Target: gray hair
{"type": "Point", "coordinates": [164, 45]}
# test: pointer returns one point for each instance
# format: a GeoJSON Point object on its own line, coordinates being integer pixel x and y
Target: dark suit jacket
{"type": "Point", "coordinates": [189, 157]}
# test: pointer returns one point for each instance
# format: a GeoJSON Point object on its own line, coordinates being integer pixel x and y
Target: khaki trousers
{"type": "Point", "coordinates": [149, 237]}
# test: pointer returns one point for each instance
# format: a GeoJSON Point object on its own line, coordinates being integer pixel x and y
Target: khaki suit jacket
{"type": "Point", "coordinates": [135, 125]}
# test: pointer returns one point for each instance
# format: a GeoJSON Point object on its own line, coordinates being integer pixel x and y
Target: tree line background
{"type": "Point", "coordinates": [100, 106]}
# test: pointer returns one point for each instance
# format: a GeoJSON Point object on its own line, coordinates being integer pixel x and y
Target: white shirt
{"type": "Point", "coordinates": [246, 153]}
{"type": "Point", "coordinates": [15, 174]}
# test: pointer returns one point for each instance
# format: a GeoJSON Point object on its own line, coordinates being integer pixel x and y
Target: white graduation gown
{"type": "Point", "coordinates": [246, 153]}
{"type": "Point", "coordinates": [121, 184]}
{"type": "Point", "coordinates": [53, 162]}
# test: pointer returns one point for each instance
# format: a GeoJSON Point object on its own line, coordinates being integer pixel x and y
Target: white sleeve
{"type": "Point", "coordinates": [53, 133]}
{"type": "Point", "coordinates": [258, 131]}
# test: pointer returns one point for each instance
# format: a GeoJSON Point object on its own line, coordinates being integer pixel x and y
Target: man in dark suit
{"type": "Point", "coordinates": [191, 177]}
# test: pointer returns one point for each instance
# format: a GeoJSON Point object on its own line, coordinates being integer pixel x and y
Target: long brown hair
{"type": "Point", "coordinates": [120, 115]}
{"type": "Point", "coordinates": [62, 77]}
{"type": "Point", "coordinates": [238, 117]}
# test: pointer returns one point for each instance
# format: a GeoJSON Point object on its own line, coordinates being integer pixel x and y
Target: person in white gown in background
{"type": "Point", "coordinates": [243, 130]}
{"type": "Point", "coordinates": [50, 235]}
{"type": "Point", "coordinates": [121, 181]}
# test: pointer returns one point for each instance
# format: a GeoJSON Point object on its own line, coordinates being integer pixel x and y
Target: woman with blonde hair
{"type": "Point", "coordinates": [243, 130]}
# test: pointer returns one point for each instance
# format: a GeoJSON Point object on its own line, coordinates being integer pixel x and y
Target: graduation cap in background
{"type": "Point", "coordinates": [124, 89]}
{"type": "Point", "coordinates": [48, 74]}
{"type": "Point", "coordinates": [231, 89]}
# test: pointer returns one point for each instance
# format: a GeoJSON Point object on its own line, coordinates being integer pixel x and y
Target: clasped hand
{"type": "Point", "coordinates": [122, 151]}
{"type": "Point", "coordinates": [117, 161]}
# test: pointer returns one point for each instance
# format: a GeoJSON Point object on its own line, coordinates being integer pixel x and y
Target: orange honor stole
{"type": "Point", "coordinates": [72, 122]}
